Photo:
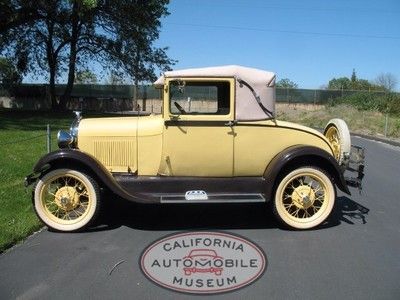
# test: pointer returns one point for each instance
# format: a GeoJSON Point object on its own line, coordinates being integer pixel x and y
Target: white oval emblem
{"type": "Point", "coordinates": [203, 262]}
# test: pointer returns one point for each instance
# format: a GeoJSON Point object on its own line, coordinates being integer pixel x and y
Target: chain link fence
{"type": "Point", "coordinates": [121, 97]}
{"type": "Point", "coordinates": [307, 96]}
{"type": "Point", "coordinates": [46, 135]}
{"type": "Point", "coordinates": [295, 102]}
{"type": "Point", "coordinates": [90, 97]}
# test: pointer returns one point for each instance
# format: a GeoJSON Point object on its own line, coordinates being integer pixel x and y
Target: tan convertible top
{"type": "Point", "coordinates": [255, 89]}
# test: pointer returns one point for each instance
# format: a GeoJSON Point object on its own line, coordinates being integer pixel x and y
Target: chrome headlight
{"type": "Point", "coordinates": [70, 139]}
{"type": "Point", "coordinates": [64, 139]}
{"type": "Point", "coordinates": [75, 126]}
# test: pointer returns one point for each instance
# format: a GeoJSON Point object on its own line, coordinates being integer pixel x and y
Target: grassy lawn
{"type": "Point", "coordinates": [363, 122]}
{"type": "Point", "coordinates": [22, 142]}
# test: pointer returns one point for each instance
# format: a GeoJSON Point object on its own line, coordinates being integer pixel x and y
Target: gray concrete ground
{"type": "Point", "coordinates": [355, 255]}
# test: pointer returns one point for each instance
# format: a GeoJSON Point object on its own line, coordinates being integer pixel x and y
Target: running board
{"type": "Point", "coordinates": [212, 198]}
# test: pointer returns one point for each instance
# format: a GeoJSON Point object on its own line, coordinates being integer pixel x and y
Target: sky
{"type": "Point", "coordinates": [308, 41]}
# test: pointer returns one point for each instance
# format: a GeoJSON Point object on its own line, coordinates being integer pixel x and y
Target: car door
{"type": "Point", "coordinates": [198, 137]}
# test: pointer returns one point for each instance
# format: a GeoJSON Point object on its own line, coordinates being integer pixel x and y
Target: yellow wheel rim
{"type": "Point", "coordinates": [65, 199]}
{"type": "Point", "coordinates": [332, 134]}
{"type": "Point", "coordinates": [304, 197]}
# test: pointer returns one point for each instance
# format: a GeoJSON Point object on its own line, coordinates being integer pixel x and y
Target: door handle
{"type": "Point", "coordinates": [230, 123]}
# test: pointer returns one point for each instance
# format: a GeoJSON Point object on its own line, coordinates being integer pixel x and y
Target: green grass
{"type": "Point", "coordinates": [359, 121]}
{"type": "Point", "coordinates": [22, 143]}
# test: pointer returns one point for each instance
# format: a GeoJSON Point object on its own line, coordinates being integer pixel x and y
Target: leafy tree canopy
{"type": "Point", "coordinates": [8, 73]}
{"type": "Point", "coordinates": [54, 37]}
{"type": "Point", "coordinates": [352, 83]}
{"type": "Point", "coordinates": [286, 83]}
{"type": "Point", "coordinates": [115, 78]}
{"type": "Point", "coordinates": [85, 77]}
{"type": "Point", "coordinates": [342, 83]}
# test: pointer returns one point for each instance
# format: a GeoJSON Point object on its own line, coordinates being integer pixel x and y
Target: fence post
{"type": "Point", "coordinates": [315, 97]}
{"type": "Point", "coordinates": [48, 138]}
{"type": "Point", "coordinates": [386, 124]}
{"type": "Point", "coordinates": [287, 95]}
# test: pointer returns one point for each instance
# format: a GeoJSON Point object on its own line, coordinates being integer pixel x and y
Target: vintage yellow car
{"type": "Point", "coordinates": [216, 141]}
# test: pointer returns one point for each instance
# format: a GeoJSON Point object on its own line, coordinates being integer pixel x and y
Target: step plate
{"type": "Point", "coordinates": [214, 198]}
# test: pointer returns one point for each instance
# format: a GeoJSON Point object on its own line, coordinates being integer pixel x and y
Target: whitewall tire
{"type": "Point", "coordinates": [304, 198]}
{"type": "Point", "coordinates": [66, 200]}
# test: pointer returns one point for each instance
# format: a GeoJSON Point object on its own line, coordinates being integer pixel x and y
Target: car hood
{"type": "Point", "coordinates": [121, 126]}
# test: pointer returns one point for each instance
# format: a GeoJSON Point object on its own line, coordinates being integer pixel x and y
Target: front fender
{"type": "Point", "coordinates": [302, 155]}
{"type": "Point", "coordinates": [71, 158]}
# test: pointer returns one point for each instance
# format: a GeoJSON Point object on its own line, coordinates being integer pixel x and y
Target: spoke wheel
{"type": "Point", "coordinates": [66, 200]}
{"type": "Point", "coordinates": [304, 198]}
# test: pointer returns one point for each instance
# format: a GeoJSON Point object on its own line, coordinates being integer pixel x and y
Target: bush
{"type": "Point", "coordinates": [388, 103]}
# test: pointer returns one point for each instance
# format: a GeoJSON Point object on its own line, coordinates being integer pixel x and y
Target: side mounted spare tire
{"type": "Point", "coordinates": [338, 135]}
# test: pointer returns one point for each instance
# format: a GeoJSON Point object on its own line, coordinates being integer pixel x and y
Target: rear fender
{"type": "Point", "coordinates": [301, 155]}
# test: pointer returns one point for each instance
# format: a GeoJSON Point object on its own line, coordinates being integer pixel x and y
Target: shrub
{"type": "Point", "coordinates": [387, 103]}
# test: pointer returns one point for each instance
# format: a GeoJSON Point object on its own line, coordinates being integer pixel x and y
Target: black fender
{"type": "Point", "coordinates": [73, 158]}
{"type": "Point", "coordinates": [299, 155]}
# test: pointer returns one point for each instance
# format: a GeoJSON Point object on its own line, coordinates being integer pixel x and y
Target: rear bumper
{"type": "Point", "coordinates": [354, 164]}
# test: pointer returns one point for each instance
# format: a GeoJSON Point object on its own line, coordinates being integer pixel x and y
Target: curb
{"type": "Point", "coordinates": [368, 137]}
{"type": "Point", "coordinates": [377, 139]}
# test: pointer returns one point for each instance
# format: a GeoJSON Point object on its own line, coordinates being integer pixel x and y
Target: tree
{"type": "Point", "coordinates": [9, 74]}
{"type": "Point", "coordinates": [85, 77]}
{"type": "Point", "coordinates": [386, 80]}
{"type": "Point", "coordinates": [353, 83]}
{"type": "Point", "coordinates": [57, 36]}
{"type": "Point", "coordinates": [286, 83]}
{"type": "Point", "coordinates": [342, 83]}
{"type": "Point", "coordinates": [365, 85]}
{"type": "Point", "coordinates": [353, 76]}
{"type": "Point", "coordinates": [115, 78]}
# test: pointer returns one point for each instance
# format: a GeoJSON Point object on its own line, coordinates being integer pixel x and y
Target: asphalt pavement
{"type": "Point", "coordinates": [355, 255]}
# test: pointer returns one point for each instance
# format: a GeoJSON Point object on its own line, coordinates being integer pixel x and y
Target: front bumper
{"type": "Point", "coordinates": [355, 164]}
{"type": "Point", "coordinates": [31, 178]}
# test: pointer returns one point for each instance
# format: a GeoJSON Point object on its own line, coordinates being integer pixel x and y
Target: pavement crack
{"type": "Point", "coordinates": [116, 265]}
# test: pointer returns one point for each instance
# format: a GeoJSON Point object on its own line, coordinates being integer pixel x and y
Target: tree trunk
{"type": "Point", "coordinates": [54, 105]}
{"type": "Point", "coordinates": [52, 63]}
{"type": "Point", "coordinates": [72, 57]}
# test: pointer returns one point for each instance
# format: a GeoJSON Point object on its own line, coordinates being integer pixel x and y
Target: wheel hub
{"type": "Point", "coordinates": [333, 138]}
{"type": "Point", "coordinates": [303, 196]}
{"type": "Point", "coordinates": [67, 198]}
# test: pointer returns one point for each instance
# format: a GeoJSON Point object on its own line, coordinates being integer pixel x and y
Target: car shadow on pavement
{"type": "Point", "coordinates": [185, 217]}
{"type": "Point", "coordinates": [159, 217]}
{"type": "Point", "coordinates": [347, 211]}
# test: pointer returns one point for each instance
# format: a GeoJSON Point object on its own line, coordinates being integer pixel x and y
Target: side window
{"type": "Point", "coordinates": [194, 97]}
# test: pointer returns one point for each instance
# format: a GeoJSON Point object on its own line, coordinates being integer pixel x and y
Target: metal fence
{"type": "Point", "coordinates": [308, 96]}
{"type": "Point", "coordinates": [119, 97]}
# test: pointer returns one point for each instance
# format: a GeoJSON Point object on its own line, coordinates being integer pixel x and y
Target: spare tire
{"type": "Point", "coordinates": [338, 135]}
